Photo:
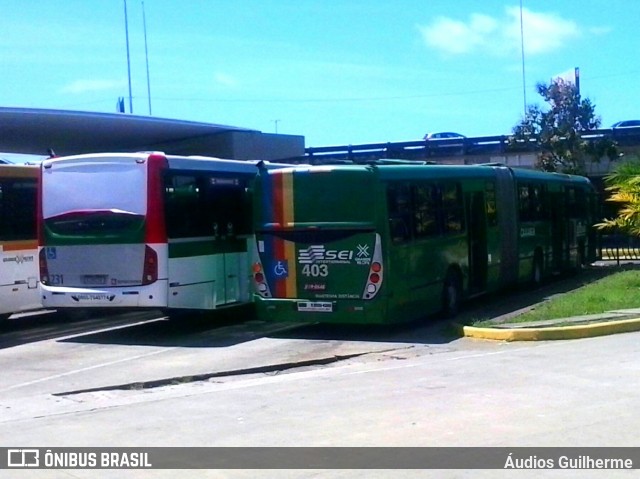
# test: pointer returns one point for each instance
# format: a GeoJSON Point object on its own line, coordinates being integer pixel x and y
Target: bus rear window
{"type": "Point", "coordinates": [95, 223]}
{"type": "Point", "coordinates": [17, 208]}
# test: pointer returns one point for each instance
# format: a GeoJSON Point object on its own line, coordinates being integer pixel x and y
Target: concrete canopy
{"type": "Point", "coordinates": [35, 131]}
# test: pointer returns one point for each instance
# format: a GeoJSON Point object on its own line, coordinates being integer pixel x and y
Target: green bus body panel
{"type": "Point", "coordinates": [320, 269]}
{"type": "Point", "coordinates": [306, 212]}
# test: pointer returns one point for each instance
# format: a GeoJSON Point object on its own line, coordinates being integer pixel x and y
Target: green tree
{"type": "Point", "coordinates": [559, 129]}
{"type": "Point", "coordinates": [623, 184]}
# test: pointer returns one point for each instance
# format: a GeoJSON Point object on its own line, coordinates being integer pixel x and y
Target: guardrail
{"type": "Point", "coordinates": [443, 147]}
{"type": "Point", "coordinates": [619, 247]}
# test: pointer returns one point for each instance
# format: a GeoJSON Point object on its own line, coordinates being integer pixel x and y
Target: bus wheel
{"type": "Point", "coordinates": [536, 270]}
{"type": "Point", "coordinates": [451, 295]}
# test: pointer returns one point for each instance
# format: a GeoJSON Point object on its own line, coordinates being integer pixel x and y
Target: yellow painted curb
{"type": "Point", "coordinates": [551, 333]}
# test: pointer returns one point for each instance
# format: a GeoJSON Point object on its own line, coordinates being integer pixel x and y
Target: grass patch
{"type": "Point", "coordinates": [617, 291]}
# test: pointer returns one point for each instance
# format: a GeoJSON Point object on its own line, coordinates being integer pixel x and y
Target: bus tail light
{"type": "Point", "coordinates": [376, 272]}
{"type": "Point", "coordinates": [373, 281]}
{"type": "Point", "coordinates": [44, 268]}
{"type": "Point", "coordinates": [150, 269]}
{"type": "Point", "coordinates": [259, 280]}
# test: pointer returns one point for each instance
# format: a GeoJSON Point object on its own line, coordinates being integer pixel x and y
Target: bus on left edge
{"type": "Point", "coordinates": [18, 240]}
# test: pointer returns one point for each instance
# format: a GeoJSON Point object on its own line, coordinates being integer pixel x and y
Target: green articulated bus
{"type": "Point", "coordinates": [388, 243]}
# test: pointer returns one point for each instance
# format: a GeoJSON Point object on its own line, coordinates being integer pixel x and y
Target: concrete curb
{"type": "Point", "coordinates": [550, 333]}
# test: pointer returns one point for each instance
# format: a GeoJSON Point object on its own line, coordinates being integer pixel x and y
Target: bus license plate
{"type": "Point", "coordinates": [315, 307]}
{"type": "Point", "coordinates": [94, 279]}
{"type": "Point", "coordinates": [93, 297]}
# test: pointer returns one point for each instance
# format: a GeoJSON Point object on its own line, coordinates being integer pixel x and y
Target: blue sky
{"type": "Point", "coordinates": [335, 71]}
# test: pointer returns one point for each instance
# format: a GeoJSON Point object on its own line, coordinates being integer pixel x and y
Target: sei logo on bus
{"type": "Point", "coordinates": [319, 254]}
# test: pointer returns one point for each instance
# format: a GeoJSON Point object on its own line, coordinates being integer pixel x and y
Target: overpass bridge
{"type": "Point", "coordinates": [469, 151]}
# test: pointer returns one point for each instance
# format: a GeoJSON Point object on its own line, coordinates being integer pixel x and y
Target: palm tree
{"type": "Point", "coordinates": [624, 185]}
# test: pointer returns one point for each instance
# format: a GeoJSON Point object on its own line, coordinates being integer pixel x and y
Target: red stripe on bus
{"type": "Point", "coordinates": [155, 231]}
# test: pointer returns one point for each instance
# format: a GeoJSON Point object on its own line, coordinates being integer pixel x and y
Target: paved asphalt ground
{"type": "Point", "coordinates": [136, 380]}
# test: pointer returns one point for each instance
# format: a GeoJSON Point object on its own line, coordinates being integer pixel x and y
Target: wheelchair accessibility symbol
{"type": "Point", "coordinates": [281, 269]}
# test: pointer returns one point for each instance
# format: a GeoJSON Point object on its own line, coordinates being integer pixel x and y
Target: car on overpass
{"type": "Point", "coordinates": [443, 135]}
{"type": "Point", "coordinates": [626, 124]}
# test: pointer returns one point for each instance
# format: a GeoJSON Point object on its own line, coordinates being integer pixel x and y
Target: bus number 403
{"type": "Point", "coordinates": [315, 270]}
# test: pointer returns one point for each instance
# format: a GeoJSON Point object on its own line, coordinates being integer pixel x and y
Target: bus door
{"type": "Point", "coordinates": [477, 241]}
{"type": "Point", "coordinates": [231, 282]}
{"type": "Point", "coordinates": [231, 235]}
{"type": "Point", "coordinates": [207, 224]}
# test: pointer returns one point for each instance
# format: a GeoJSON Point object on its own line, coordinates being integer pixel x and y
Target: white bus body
{"type": "Point", "coordinates": [18, 242]}
{"type": "Point", "coordinates": [145, 230]}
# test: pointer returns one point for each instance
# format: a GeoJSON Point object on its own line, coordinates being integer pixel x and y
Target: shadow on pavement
{"type": "Point", "coordinates": [193, 330]}
{"type": "Point", "coordinates": [238, 325]}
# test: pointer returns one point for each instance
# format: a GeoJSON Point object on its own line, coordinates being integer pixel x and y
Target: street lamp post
{"type": "Point", "coordinates": [524, 84]}
{"type": "Point", "coordinates": [146, 55]}
{"type": "Point", "coordinates": [126, 29]}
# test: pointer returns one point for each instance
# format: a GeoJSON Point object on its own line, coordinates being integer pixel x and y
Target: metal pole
{"type": "Point", "coordinates": [126, 28]}
{"type": "Point", "coordinates": [524, 85]}
{"type": "Point", "coordinates": [146, 55]}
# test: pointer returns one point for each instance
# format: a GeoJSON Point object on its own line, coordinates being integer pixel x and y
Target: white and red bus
{"type": "Point", "coordinates": [18, 241]}
{"type": "Point", "coordinates": [144, 230]}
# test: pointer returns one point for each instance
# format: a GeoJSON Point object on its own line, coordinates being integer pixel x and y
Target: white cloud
{"type": "Point", "coordinates": [543, 32]}
{"type": "Point", "coordinates": [84, 86]}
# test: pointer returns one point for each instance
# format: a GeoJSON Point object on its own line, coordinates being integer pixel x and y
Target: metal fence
{"type": "Point", "coordinates": [619, 247]}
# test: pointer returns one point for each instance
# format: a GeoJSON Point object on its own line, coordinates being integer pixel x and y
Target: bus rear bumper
{"type": "Point", "coordinates": [152, 296]}
{"type": "Point", "coordinates": [337, 311]}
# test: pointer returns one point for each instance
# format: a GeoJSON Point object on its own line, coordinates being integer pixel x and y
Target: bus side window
{"type": "Point", "coordinates": [524, 203]}
{"type": "Point", "coordinates": [533, 202]}
{"type": "Point", "coordinates": [452, 208]}
{"type": "Point", "coordinates": [538, 202]}
{"type": "Point", "coordinates": [491, 203]}
{"type": "Point", "coordinates": [425, 210]}
{"type": "Point", "coordinates": [399, 206]}
{"type": "Point", "coordinates": [398, 230]}
{"type": "Point", "coordinates": [17, 209]}
{"type": "Point", "coordinates": [183, 207]}
{"type": "Point", "coordinates": [227, 204]}
{"type": "Point", "coordinates": [576, 202]}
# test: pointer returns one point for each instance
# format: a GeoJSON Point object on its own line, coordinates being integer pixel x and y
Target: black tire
{"type": "Point", "coordinates": [451, 295]}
